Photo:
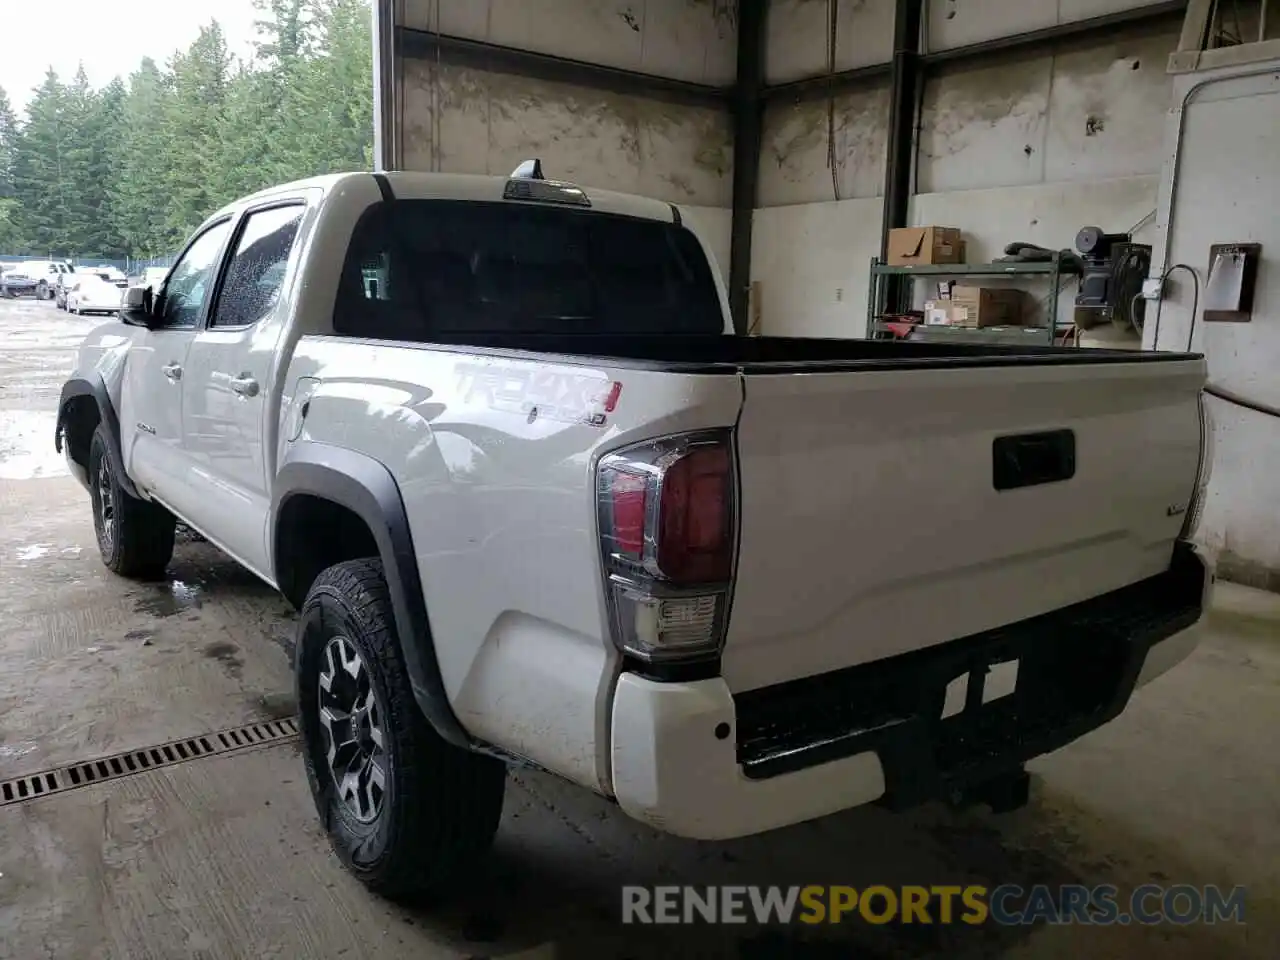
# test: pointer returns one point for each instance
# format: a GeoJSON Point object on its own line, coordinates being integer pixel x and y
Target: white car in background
{"type": "Point", "coordinates": [46, 274]}
{"type": "Point", "coordinates": [112, 275]}
{"type": "Point", "coordinates": [90, 293]}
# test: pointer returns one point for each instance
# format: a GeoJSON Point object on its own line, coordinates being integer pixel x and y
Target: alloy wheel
{"type": "Point", "coordinates": [106, 506]}
{"type": "Point", "coordinates": [351, 718]}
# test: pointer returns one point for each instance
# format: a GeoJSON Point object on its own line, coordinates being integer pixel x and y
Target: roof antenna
{"type": "Point", "coordinates": [529, 170]}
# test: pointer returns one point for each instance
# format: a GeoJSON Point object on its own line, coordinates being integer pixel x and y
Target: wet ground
{"type": "Point", "coordinates": [221, 857]}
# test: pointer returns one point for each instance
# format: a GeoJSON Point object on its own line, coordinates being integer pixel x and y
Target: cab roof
{"type": "Point", "coordinates": [411, 185]}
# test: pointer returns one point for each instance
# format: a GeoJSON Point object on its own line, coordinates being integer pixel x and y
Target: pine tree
{"type": "Point", "coordinates": [138, 193]}
{"type": "Point", "coordinates": [134, 168]}
{"type": "Point", "coordinates": [11, 239]}
{"type": "Point", "coordinates": [193, 119]}
{"type": "Point", "coordinates": [8, 142]}
{"type": "Point", "coordinates": [81, 195]}
{"type": "Point", "coordinates": [38, 161]}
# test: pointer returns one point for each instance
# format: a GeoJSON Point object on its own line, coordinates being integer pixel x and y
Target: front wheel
{"type": "Point", "coordinates": [407, 812]}
{"type": "Point", "coordinates": [135, 537]}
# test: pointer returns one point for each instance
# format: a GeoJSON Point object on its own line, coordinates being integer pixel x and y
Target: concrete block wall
{"type": "Point", "coordinates": [477, 121]}
{"type": "Point", "coordinates": [1018, 148]}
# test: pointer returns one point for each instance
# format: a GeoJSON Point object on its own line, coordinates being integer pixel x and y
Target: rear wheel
{"type": "Point", "coordinates": [408, 813]}
{"type": "Point", "coordinates": [135, 537]}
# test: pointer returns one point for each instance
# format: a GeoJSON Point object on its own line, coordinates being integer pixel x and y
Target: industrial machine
{"type": "Point", "coordinates": [1111, 282]}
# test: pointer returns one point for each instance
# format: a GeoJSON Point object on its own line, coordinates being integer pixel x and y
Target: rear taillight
{"type": "Point", "coordinates": [668, 529]}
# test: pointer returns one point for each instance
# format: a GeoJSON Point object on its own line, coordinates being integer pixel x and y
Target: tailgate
{"type": "Point", "coordinates": [871, 520]}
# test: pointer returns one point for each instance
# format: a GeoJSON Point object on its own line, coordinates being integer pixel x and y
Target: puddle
{"type": "Point", "coordinates": [34, 551]}
{"type": "Point", "coordinates": [26, 445]}
{"type": "Point", "coordinates": [171, 599]}
{"type": "Point", "coordinates": [227, 655]}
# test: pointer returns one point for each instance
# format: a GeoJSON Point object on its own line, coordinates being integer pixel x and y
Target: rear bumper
{"type": "Point", "coordinates": [695, 760]}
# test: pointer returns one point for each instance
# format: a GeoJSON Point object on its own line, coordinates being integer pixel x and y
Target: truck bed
{"type": "Point", "coordinates": [710, 353]}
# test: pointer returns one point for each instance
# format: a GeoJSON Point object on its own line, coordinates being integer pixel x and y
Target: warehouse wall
{"type": "Point", "coordinates": [1019, 148]}
{"type": "Point", "coordinates": [476, 121]}
{"type": "Point", "coordinates": [1227, 179]}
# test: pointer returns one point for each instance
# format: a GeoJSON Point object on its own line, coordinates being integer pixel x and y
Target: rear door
{"type": "Point", "coordinates": [227, 388]}
{"type": "Point", "coordinates": [873, 523]}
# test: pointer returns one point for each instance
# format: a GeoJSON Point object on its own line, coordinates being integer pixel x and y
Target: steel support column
{"type": "Point", "coordinates": [386, 87]}
{"type": "Point", "coordinates": [904, 102]}
{"type": "Point", "coordinates": [748, 123]}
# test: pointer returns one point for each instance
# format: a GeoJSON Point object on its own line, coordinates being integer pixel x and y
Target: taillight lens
{"type": "Point", "coordinates": [628, 500]}
{"type": "Point", "coordinates": [695, 535]}
{"type": "Point", "coordinates": [668, 527]}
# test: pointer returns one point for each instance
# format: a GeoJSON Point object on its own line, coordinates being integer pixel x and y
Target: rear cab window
{"type": "Point", "coordinates": [418, 269]}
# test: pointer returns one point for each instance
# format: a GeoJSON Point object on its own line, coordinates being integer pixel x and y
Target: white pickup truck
{"type": "Point", "coordinates": [537, 504]}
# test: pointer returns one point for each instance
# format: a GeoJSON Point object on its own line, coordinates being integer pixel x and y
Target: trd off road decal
{"type": "Point", "coordinates": [538, 393]}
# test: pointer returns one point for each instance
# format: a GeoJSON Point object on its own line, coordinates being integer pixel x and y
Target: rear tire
{"type": "Point", "coordinates": [409, 814]}
{"type": "Point", "coordinates": [135, 537]}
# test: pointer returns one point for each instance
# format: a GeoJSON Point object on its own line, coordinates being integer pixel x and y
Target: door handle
{"type": "Point", "coordinates": [245, 386]}
{"type": "Point", "coordinates": [173, 371]}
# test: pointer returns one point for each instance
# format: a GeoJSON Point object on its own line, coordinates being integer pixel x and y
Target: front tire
{"type": "Point", "coordinates": [135, 537]}
{"type": "Point", "coordinates": [407, 812]}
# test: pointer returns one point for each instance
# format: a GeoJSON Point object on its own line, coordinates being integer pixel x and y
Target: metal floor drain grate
{"type": "Point", "coordinates": [72, 776]}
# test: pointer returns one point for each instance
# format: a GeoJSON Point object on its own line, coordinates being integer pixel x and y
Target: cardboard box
{"type": "Point", "coordinates": [986, 306]}
{"type": "Point", "coordinates": [937, 313]}
{"type": "Point", "coordinates": [911, 246]}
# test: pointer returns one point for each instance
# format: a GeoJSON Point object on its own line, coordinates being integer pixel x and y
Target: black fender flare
{"type": "Point", "coordinates": [366, 487]}
{"type": "Point", "coordinates": [107, 420]}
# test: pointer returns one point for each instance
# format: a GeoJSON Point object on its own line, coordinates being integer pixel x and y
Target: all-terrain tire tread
{"type": "Point", "coordinates": [144, 531]}
{"type": "Point", "coordinates": [448, 801]}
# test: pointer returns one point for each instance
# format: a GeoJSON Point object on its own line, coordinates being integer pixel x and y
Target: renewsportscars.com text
{"type": "Point", "coordinates": [1007, 905]}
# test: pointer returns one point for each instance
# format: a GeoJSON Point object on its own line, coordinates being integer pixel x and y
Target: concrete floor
{"type": "Point", "coordinates": [221, 857]}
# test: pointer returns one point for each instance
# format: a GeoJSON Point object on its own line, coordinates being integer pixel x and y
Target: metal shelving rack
{"type": "Point", "coordinates": [878, 294]}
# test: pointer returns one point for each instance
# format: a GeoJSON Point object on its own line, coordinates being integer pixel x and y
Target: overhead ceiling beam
{"type": "Point", "coordinates": [1093, 28]}
{"type": "Point", "coordinates": [827, 85]}
{"type": "Point", "coordinates": [482, 55]}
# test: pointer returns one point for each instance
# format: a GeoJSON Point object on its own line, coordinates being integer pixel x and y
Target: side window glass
{"type": "Point", "coordinates": [255, 276]}
{"type": "Point", "coordinates": [191, 278]}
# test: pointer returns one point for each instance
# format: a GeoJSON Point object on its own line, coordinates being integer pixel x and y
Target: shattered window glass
{"type": "Point", "coordinates": [255, 276]}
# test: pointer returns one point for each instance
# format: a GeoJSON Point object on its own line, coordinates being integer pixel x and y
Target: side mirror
{"type": "Point", "coordinates": [137, 308]}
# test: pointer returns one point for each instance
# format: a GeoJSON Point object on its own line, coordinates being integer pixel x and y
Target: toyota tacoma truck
{"type": "Point", "coordinates": [538, 505]}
